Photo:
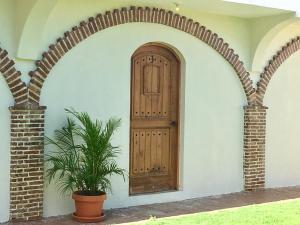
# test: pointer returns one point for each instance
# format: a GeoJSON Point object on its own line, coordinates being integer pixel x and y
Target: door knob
{"type": "Point", "coordinates": [173, 123]}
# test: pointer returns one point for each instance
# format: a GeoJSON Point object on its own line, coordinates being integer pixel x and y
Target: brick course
{"type": "Point", "coordinates": [254, 147]}
{"type": "Point", "coordinates": [26, 166]}
{"type": "Point", "coordinates": [128, 15]}
{"type": "Point", "coordinates": [13, 78]}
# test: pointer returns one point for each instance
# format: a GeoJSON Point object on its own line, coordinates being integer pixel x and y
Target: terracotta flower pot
{"type": "Point", "coordinates": [88, 208]}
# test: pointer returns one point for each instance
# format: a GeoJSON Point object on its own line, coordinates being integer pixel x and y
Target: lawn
{"type": "Point", "coordinates": [277, 213]}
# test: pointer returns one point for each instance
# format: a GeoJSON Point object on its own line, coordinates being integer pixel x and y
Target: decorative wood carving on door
{"type": "Point", "coordinates": [154, 120]}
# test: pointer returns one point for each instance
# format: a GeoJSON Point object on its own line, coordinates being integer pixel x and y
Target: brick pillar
{"type": "Point", "coordinates": [254, 147]}
{"type": "Point", "coordinates": [26, 166]}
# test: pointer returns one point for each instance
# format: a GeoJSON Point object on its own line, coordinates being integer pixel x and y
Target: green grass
{"type": "Point", "coordinates": [277, 213]}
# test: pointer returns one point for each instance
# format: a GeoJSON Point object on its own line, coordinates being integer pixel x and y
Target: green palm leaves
{"type": "Point", "coordinates": [83, 158]}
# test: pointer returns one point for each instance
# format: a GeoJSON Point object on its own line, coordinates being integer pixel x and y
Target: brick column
{"type": "Point", "coordinates": [254, 147]}
{"type": "Point", "coordinates": [26, 166]}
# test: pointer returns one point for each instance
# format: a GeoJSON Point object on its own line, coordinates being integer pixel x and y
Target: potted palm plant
{"type": "Point", "coordinates": [82, 161]}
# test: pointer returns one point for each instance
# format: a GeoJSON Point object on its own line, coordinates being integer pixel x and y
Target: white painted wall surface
{"type": "Point", "coordinates": [7, 35]}
{"type": "Point", "coordinates": [6, 100]}
{"type": "Point", "coordinates": [283, 125]}
{"type": "Point", "coordinates": [95, 77]}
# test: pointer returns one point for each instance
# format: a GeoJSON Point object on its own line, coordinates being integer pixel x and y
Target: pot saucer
{"type": "Point", "coordinates": [88, 219]}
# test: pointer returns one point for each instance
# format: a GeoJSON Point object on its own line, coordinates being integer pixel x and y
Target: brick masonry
{"type": "Point", "coordinates": [12, 78]}
{"type": "Point", "coordinates": [26, 168]}
{"type": "Point", "coordinates": [254, 147]}
{"type": "Point", "coordinates": [129, 15]}
{"type": "Point", "coordinates": [27, 117]}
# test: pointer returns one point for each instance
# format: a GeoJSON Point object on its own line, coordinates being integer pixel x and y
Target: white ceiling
{"type": "Point", "coordinates": [279, 4]}
{"type": "Point", "coordinates": [216, 7]}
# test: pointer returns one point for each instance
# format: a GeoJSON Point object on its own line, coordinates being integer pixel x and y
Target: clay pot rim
{"type": "Point", "coordinates": [88, 198]}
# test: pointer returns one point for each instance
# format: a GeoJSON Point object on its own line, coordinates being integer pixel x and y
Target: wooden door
{"type": "Point", "coordinates": [154, 120]}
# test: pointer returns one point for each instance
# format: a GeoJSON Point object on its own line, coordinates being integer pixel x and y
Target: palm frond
{"type": "Point", "coordinates": [86, 166]}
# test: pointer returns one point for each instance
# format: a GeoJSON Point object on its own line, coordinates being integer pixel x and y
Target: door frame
{"type": "Point", "coordinates": [179, 135]}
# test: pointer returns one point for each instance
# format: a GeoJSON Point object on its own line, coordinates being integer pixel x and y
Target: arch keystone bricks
{"type": "Point", "coordinates": [129, 15]}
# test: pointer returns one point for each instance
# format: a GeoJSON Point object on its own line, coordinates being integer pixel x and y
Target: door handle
{"type": "Point", "coordinates": [173, 123]}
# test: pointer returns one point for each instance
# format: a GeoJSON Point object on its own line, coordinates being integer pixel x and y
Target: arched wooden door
{"type": "Point", "coordinates": [154, 120]}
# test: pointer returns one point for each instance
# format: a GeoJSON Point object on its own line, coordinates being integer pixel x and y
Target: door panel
{"type": "Point", "coordinates": [154, 120]}
{"type": "Point", "coordinates": [150, 149]}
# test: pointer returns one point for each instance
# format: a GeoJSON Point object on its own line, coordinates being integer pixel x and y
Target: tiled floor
{"type": "Point", "coordinates": [117, 216]}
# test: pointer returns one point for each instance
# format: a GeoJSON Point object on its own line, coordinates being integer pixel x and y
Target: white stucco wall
{"type": "Point", "coordinates": [6, 100]}
{"type": "Point", "coordinates": [283, 125]}
{"type": "Point", "coordinates": [7, 36]}
{"type": "Point", "coordinates": [95, 77]}
{"type": "Point", "coordinates": [283, 121]}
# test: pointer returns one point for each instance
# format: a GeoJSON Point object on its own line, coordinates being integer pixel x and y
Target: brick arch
{"type": "Point", "coordinates": [274, 63]}
{"type": "Point", "coordinates": [13, 78]}
{"type": "Point", "coordinates": [128, 15]}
